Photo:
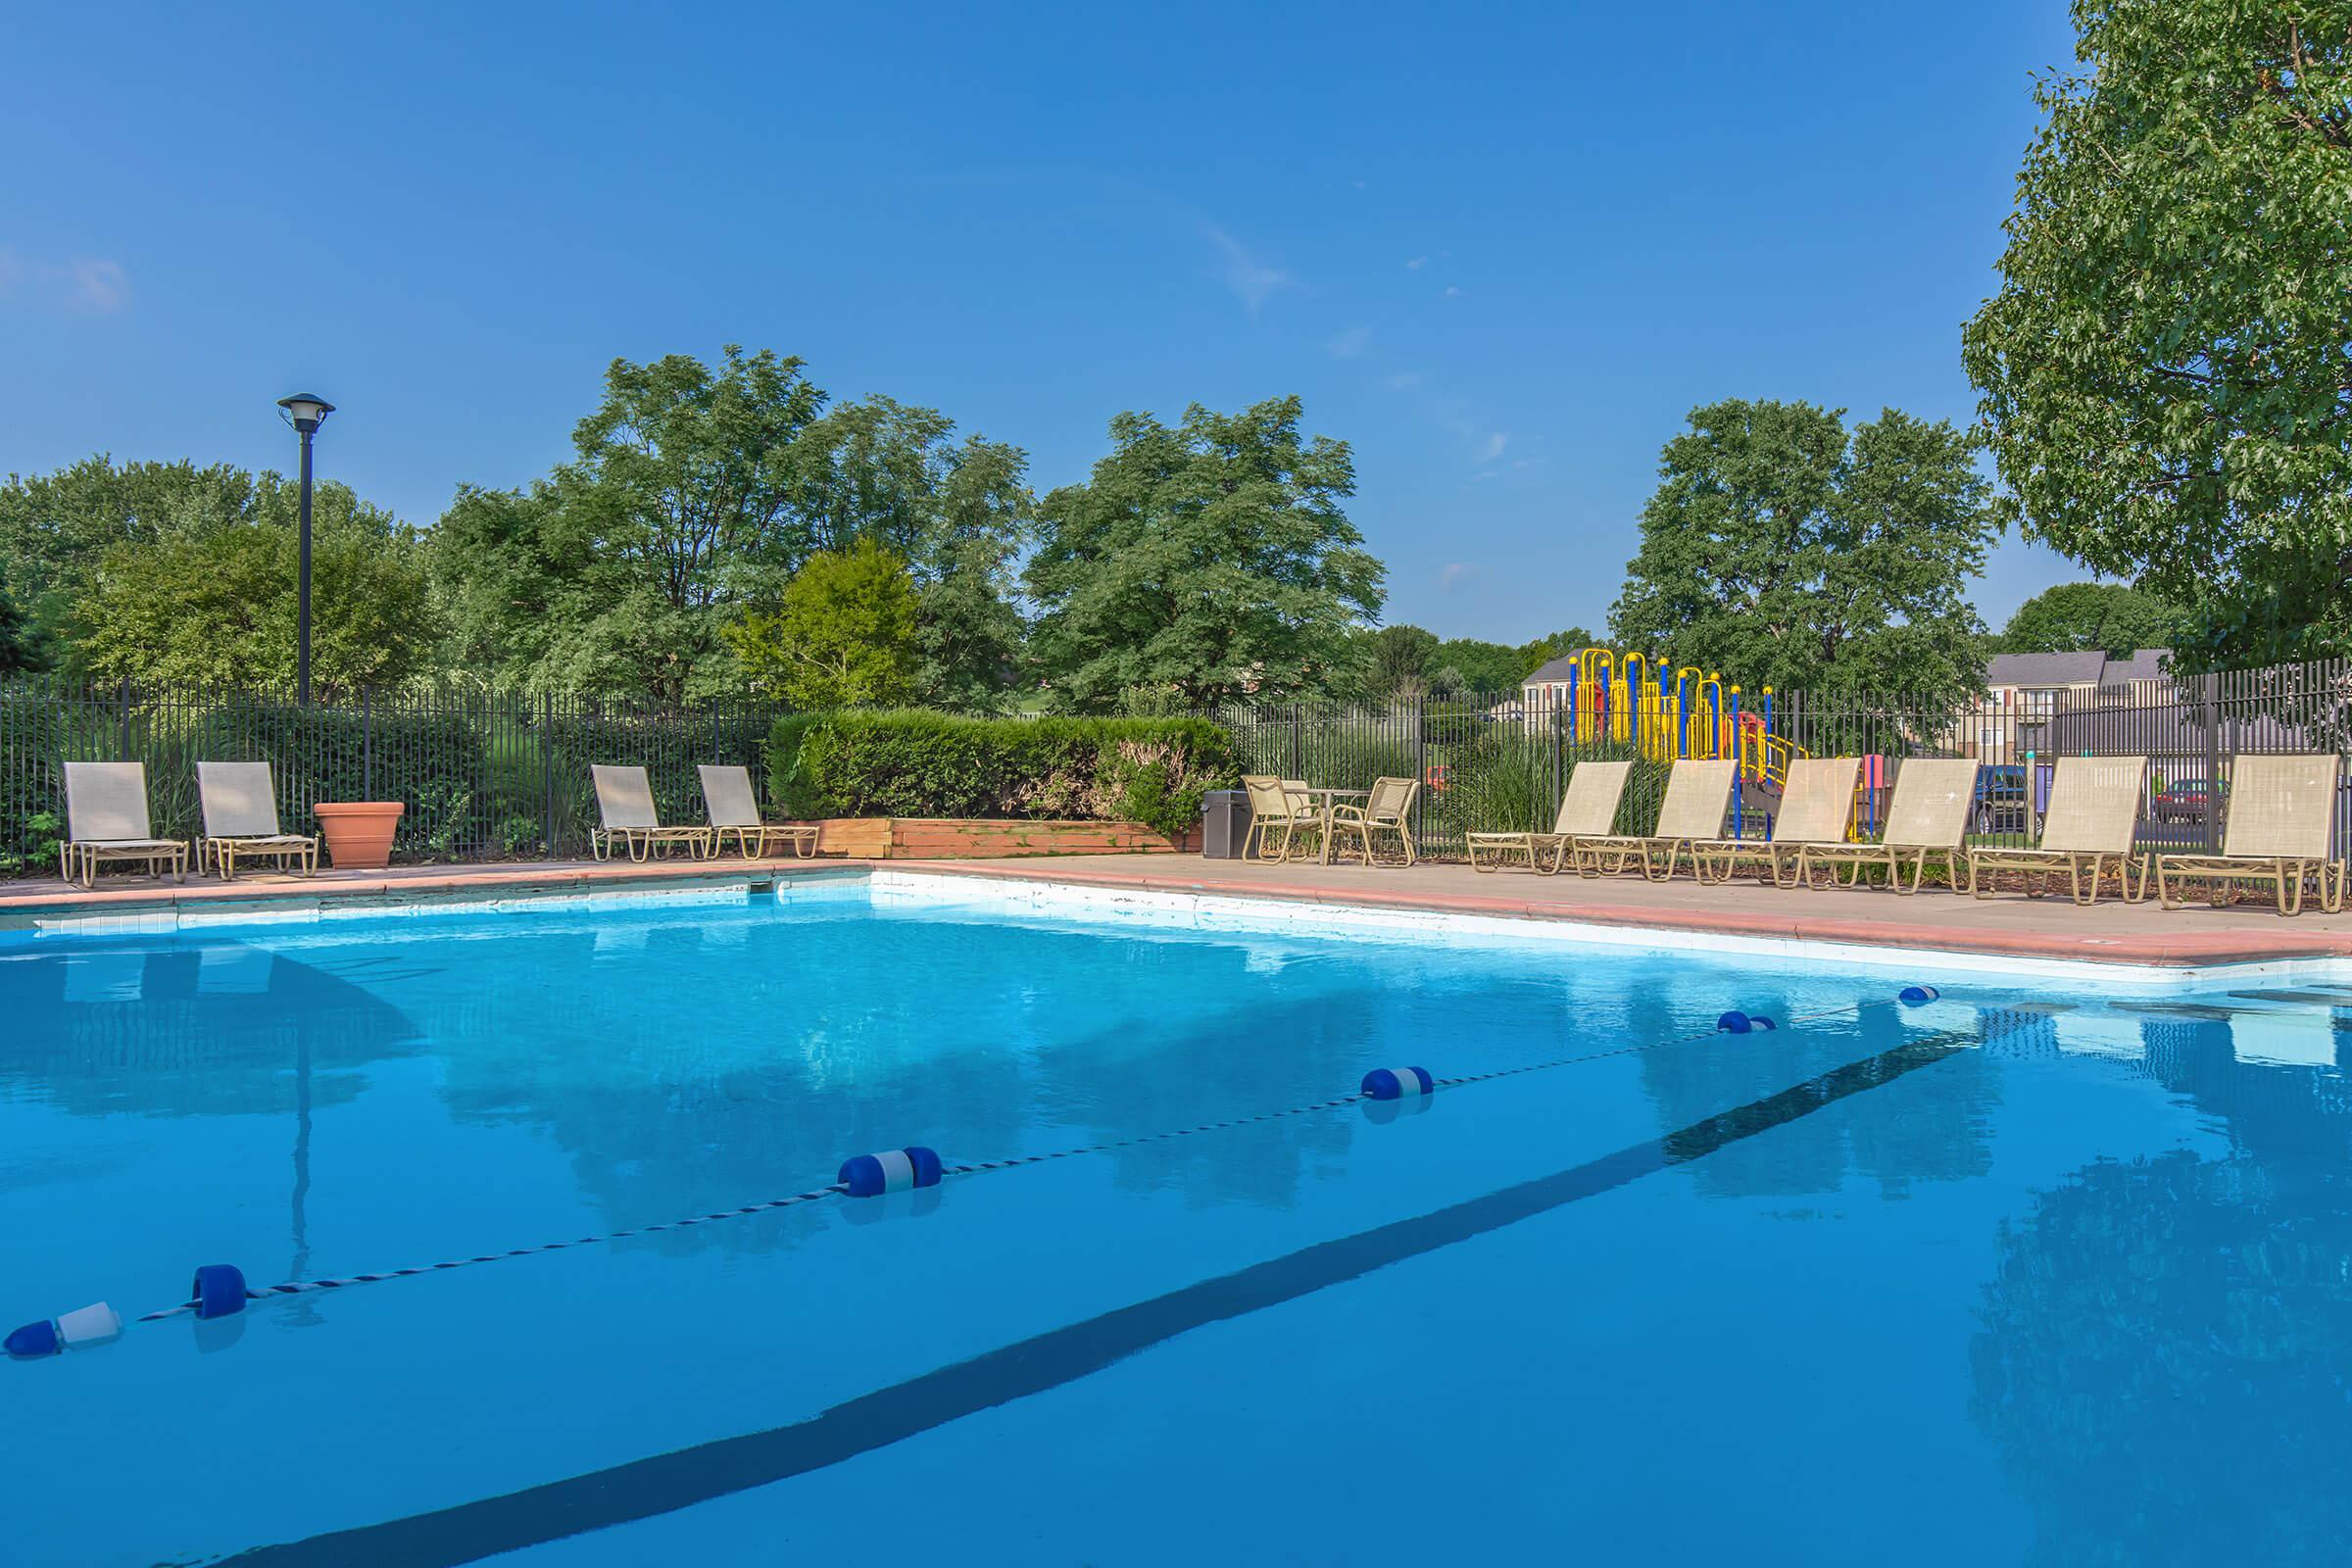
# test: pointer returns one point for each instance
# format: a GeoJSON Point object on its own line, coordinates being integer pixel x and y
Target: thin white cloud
{"type": "Point", "coordinates": [1497, 440]}
{"type": "Point", "coordinates": [99, 285]}
{"type": "Point", "coordinates": [1253, 280]}
{"type": "Point", "coordinates": [1484, 474]}
{"type": "Point", "coordinates": [88, 285]}
{"type": "Point", "coordinates": [1402, 380]}
{"type": "Point", "coordinates": [1454, 571]}
{"type": "Point", "coordinates": [1416, 264]}
{"type": "Point", "coordinates": [1453, 293]}
{"type": "Point", "coordinates": [1350, 343]}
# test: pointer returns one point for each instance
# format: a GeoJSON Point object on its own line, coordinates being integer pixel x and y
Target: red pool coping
{"type": "Point", "coordinates": [2157, 949]}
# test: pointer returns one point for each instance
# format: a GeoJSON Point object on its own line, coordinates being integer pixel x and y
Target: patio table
{"type": "Point", "coordinates": [1323, 815]}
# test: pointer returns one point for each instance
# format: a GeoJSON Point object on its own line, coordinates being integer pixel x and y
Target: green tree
{"type": "Point", "coordinates": [1543, 650]}
{"type": "Point", "coordinates": [2090, 616]}
{"type": "Point", "coordinates": [2163, 373]}
{"type": "Point", "coordinates": [1786, 553]}
{"type": "Point", "coordinates": [55, 528]}
{"type": "Point", "coordinates": [695, 496]}
{"type": "Point", "coordinates": [956, 512]}
{"type": "Point", "coordinates": [219, 607]}
{"type": "Point", "coordinates": [679, 509]}
{"type": "Point", "coordinates": [1213, 557]}
{"type": "Point", "coordinates": [16, 638]}
{"type": "Point", "coordinates": [1483, 666]}
{"type": "Point", "coordinates": [843, 634]}
{"type": "Point", "coordinates": [1398, 662]}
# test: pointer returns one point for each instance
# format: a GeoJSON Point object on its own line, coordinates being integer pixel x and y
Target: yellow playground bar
{"type": "Point", "coordinates": [1634, 699]}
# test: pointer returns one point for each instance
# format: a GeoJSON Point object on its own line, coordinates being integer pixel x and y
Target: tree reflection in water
{"type": "Point", "coordinates": [2166, 1343]}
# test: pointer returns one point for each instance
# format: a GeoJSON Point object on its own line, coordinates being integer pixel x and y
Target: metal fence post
{"type": "Point", "coordinates": [547, 765]}
{"type": "Point", "coordinates": [366, 743]}
{"type": "Point", "coordinates": [2213, 762]}
{"type": "Point", "coordinates": [1421, 763]}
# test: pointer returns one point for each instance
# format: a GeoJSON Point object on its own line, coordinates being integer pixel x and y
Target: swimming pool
{"type": "Point", "coordinates": [2037, 1272]}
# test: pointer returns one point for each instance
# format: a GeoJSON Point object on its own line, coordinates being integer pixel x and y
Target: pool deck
{"type": "Point", "coordinates": [2009, 924]}
{"type": "Point", "coordinates": [2110, 932]}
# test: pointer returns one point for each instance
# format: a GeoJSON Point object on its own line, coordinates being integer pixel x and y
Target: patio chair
{"type": "Point", "coordinates": [1588, 810]}
{"type": "Point", "coordinates": [2277, 832]}
{"type": "Point", "coordinates": [1817, 804]}
{"type": "Point", "coordinates": [105, 819]}
{"type": "Point", "coordinates": [240, 819]}
{"type": "Point", "coordinates": [1927, 819]}
{"type": "Point", "coordinates": [1276, 817]}
{"type": "Point", "coordinates": [1387, 808]}
{"type": "Point", "coordinates": [734, 808]}
{"type": "Point", "coordinates": [2094, 816]}
{"type": "Point", "coordinates": [624, 805]}
{"type": "Point", "coordinates": [1698, 797]}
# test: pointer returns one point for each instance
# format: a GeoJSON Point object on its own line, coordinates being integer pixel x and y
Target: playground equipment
{"type": "Point", "coordinates": [1632, 700]}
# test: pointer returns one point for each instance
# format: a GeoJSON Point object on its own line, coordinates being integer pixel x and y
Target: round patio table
{"type": "Point", "coordinates": [1323, 816]}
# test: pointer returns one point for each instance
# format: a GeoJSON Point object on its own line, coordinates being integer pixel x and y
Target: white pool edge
{"type": "Point", "coordinates": [1222, 912]}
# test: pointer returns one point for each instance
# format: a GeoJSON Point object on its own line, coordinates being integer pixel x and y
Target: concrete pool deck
{"type": "Point", "coordinates": [2009, 924]}
{"type": "Point", "coordinates": [2110, 932]}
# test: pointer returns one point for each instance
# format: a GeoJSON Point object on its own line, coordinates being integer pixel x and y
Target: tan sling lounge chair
{"type": "Point", "coordinates": [1588, 810]}
{"type": "Point", "coordinates": [1816, 806]}
{"type": "Point", "coordinates": [105, 819]}
{"type": "Point", "coordinates": [1926, 820]}
{"type": "Point", "coordinates": [1698, 797]}
{"type": "Point", "coordinates": [1387, 809]}
{"type": "Point", "coordinates": [624, 802]}
{"type": "Point", "coordinates": [1275, 817]}
{"type": "Point", "coordinates": [240, 819]}
{"type": "Point", "coordinates": [734, 808]}
{"type": "Point", "coordinates": [2277, 832]}
{"type": "Point", "coordinates": [2094, 815]}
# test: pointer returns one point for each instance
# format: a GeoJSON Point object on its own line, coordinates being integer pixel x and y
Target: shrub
{"type": "Point", "coordinates": [921, 763]}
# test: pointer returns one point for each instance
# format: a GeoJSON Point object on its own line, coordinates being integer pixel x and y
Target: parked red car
{"type": "Point", "coordinates": [2184, 799]}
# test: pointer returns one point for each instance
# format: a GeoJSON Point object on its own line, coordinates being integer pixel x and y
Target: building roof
{"type": "Point", "coordinates": [2145, 664]}
{"type": "Point", "coordinates": [1560, 668]}
{"type": "Point", "coordinates": [2073, 669]}
{"type": "Point", "coordinates": [2044, 670]}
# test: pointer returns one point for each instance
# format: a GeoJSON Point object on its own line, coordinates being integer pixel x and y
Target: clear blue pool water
{"type": "Point", "coordinates": [2078, 1293]}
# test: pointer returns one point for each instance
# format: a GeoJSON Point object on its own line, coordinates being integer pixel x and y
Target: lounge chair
{"type": "Point", "coordinates": [1817, 804]}
{"type": "Point", "coordinates": [2277, 832]}
{"type": "Point", "coordinates": [624, 803]}
{"type": "Point", "coordinates": [1276, 817]}
{"type": "Point", "coordinates": [734, 808]}
{"type": "Point", "coordinates": [1927, 819]}
{"type": "Point", "coordinates": [2094, 816]}
{"type": "Point", "coordinates": [1588, 810]}
{"type": "Point", "coordinates": [105, 819]}
{"type": "Point", "coordinates": [1698, 797]}
{"type": "Point", "coordinates": [240, 819]}
{"type": "Point", "coordinates": [1387, 809]}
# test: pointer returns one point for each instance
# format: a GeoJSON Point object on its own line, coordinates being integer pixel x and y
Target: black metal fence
{"type": "Point", "coordinates": [1500, 761]}
{"type": "Point", "coordinates": [490, 775]}
{"type": "Point", "coordinates": [483, 775]}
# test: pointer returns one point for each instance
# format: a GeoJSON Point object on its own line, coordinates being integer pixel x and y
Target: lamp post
{"type": "Point", "coordinates": [306, 411]}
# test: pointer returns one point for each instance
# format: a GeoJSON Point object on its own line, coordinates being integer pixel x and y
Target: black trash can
{"type": "Point", "coordinates": [1224, 824]}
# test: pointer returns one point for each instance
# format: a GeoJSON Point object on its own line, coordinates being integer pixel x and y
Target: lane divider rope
{"type": "Point", "coordinates": [837, 1189]}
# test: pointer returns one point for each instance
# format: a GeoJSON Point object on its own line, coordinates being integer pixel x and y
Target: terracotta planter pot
{"type": "Point", "coordinates": [359, 833]}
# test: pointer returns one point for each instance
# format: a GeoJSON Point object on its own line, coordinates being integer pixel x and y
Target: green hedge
{"type": "Point", "coordinates": [921, 763]}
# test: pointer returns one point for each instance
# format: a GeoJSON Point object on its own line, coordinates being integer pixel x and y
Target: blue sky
{"type": "Point", "coordinates": [1500, 250]}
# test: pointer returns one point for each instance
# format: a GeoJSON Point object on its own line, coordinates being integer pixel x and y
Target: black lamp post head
{"type": "Point", "coordinates": [306, 411]}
